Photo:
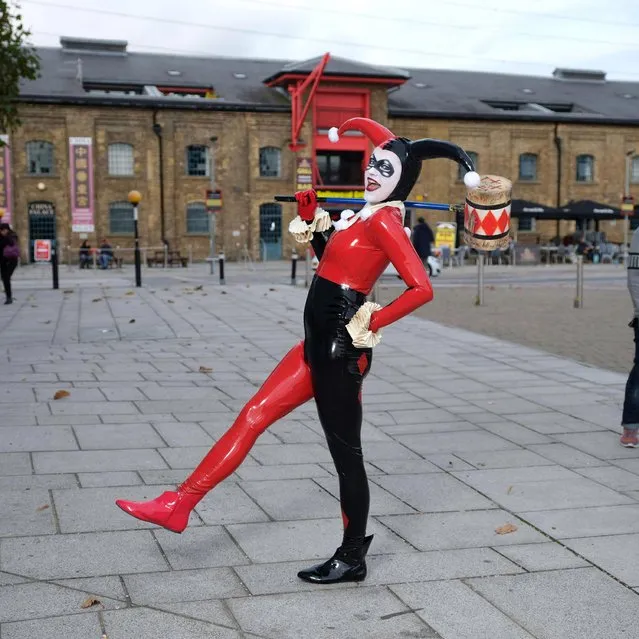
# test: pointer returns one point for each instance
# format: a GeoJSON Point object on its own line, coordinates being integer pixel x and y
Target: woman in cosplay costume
{"type": "Point", "coordinates": [340, 330]}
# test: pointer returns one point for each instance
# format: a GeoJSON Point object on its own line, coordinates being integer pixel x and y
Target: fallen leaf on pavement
{"type": "Point", "coordinates": [97, 299]}
{"type": "Point", "coordinates": [130, 293]}
{"type": "Point", "coordinates": [510, 490]}
{"type": "Point", "coordinates": [272, 289]}
{"type": "Point", "coordinates": [91, 601]}
{"type": "Point", "coordinates": [224, 292]}
{"type": "Point", "coordinates": [68, 291]}
{"type": "Point", "coordinates": [39, 509]}
{"type": "Point", "coordinates": [199, 288]}
{"type": "Point", "coordinates": [131, 321]}
{"type": "Point", "coordinates": [60, 394]}
{"type": "Point", "coordinates": [205, 369]}
{"type": "Point", "coordinates": [170, 301]}
{"type": "Point", "coordinates": [506, 529]}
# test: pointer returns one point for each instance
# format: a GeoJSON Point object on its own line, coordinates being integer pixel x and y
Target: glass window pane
{"type": "Point", "coordinates": [197, 163]}
{"type": "Point", "coordinates": [121, 218]}
{"type": "Point", "coordinates": [526, 224]}
{"type": "Point", "coordinates": [120, 159]}
{"type": "Point", "coordinates": [39, 158]}
{"type": "Point", "coordinates": [527, 166]}
{"type": "Point", "coordinates": [461, 171]}
{"type": "Point", "coordinates": [197, 218]}
{"type": "Point", "coordinates": [634, 170]}
{"type": "Point", "coordinates": [270, 161]}
{"type": "Point", "coordinates": [585, 168]}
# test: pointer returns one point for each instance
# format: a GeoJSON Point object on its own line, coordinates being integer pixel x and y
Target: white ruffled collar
{"type": "Point", "coordinates": [349, 217]}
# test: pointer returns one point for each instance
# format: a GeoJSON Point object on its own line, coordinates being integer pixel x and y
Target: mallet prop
{"type": "Point", "coordinates": [360, 202]}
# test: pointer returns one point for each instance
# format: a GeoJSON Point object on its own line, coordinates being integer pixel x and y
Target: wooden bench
{"type": "Point", "coordinates": [173, 258]}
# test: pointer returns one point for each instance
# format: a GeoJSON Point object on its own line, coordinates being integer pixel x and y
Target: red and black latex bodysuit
{"type": "Point", "coordinates": [327, 366]}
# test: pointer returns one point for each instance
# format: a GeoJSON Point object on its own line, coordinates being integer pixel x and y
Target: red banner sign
{"type": "Point", "coordinates": [81, 169]}
{"type": "Point", "coordinates": [5, 180]}
{"type": "Point", "coordinates": [42, 250]}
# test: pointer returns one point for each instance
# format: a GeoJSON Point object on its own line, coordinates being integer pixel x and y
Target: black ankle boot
{"type": "Point", "coordinates": [8, 301]}
{"type": "Point", "coordinates": [342, 566]}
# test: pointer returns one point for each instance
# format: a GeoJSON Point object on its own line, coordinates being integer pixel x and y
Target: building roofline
{"type": "Point", "coordinates": [150, 102]}
{"type": "Point", "coordinates": [560, 118]}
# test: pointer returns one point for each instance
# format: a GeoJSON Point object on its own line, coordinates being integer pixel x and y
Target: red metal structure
{"type": "Point", "coordinates": [299, 110]}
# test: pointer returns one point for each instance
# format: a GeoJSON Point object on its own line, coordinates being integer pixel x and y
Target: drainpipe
{"type": "Point", "coordinates": [558, 146]}
{"type": "Point", "coordinates": [157, 129]}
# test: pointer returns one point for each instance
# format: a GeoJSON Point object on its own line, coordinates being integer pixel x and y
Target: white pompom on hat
{"type": "Point", "coordinates": [472, 179]}
{"type": "Point", "coordinates": [333, 134]}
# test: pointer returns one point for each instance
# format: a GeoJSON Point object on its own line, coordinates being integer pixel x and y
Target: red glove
{"type": "Point", "coordinates": [306, 204]}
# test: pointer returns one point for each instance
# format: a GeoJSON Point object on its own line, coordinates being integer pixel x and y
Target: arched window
{"type": "Point", "coordinates": [120, 159]}
{"type": "Point", "coordinates": [634, 170]}
{"type": "Point", "coordinates": [197, 218]}
{"type": "Point", "coordinates": [271, 231]}
{"type": "Point", "coordinates": [270, 161]}
{"type": "Point", "coordinates": [461, 171]}
{"type": "Point", "coordinates": [39, 158]}
{"type": "Point", "coordinates": [528, 167]}
{"type": "Point", "coordinates": [585, 168]}
{"type": "Point", "coordinates": [197, 160]}
{"type": "Point", "coordinates": [121, 218]}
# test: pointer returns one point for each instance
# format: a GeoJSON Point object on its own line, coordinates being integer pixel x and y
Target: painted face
{"type": "Point", "coordinates": [382, 175]}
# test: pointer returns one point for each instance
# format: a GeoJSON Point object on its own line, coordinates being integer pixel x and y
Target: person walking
{"type": "Point", "coordinates": [630, 415]}
{"type": "Point", "coordinates": [85, 254]}
{"type": "Point", "coordinates": [422, 239]}
{"type": "Point", "coordinates": [9, 256]}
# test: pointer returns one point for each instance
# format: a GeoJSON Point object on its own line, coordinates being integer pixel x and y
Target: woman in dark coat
{"type": "Point", "coordinates": [9, 255]}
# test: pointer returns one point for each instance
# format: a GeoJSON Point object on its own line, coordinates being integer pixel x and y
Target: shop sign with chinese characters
{"type": "Point", "coordinates": [5, 180]}
{"type": "Point", "coordinates": [81, 165]}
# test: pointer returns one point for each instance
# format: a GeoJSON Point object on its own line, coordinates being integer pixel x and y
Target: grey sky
{"type": "Point", "coordinates": [484, 35]}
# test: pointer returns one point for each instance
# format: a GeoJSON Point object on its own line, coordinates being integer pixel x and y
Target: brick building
{"type": "Point", "coordinates": [102, 121]}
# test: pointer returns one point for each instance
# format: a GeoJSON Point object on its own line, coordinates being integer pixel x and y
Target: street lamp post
{"type": "Point", "coordinates": [212, 219]}
{"type": "Point", "coordinates": [135, 198]}
{"type": "Point", "coordinates": [626, 193]}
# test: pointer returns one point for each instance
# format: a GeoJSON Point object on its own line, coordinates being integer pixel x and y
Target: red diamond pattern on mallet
{"type": "Point", "coordinates": [488, 224]}
{"type": "Point", "coordinates": [503, 222]}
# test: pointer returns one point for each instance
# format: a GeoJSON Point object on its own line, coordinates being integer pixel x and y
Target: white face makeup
{"type": "Point", "coordinates": [381, 176]}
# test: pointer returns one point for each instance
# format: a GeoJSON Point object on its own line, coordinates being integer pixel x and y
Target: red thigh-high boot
{"type": "Point", "coordinates": [287, 387]}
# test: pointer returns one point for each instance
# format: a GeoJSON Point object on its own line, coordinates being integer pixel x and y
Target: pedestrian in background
{"type": "Point", "coordinates": [106, 254]}
{"type": "Point", "coordinates": [9, 256]}
{"type": "Point", "coordinates": [630, 416]}
{"type": "Point", "coordinates": [85, 254]}
{"type": "Point", "coordinates": [422, 239]}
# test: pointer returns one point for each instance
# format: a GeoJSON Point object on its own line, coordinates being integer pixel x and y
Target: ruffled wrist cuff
{"type": "Point", "coordinates": [358, 327]}
{"type": "Point", "coordinates": [303, 231]}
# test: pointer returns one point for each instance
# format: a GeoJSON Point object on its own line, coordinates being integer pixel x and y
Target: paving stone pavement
{"type": "Point", "coordinates": [463, 434]}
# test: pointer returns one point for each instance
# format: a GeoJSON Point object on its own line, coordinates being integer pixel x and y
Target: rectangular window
{"type": "Point", "coordinates": [120, 159]}
{"type": "Point", "coordinates": [527, 167]}
{"type": "Point", "coordinates": [197, 161]}
{"type": "Point", "coordinates": [341, 168]}
{"type": "Point", "coordinates": [197, 219]}
{"type": "Point", "coordinates": [634, 170]}
{"type": "Point", "coordinates": [526, 223]}
{"type": "Point", "coordinates": [121, 218]}
{"type": "Point", "coordinates": [270, 161]}
{"type": "Point", "coordinates": [39, 158]}
{"type": "Point", "coordinates": [585, 168]}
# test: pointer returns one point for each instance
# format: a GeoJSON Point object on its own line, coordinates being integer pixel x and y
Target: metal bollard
{"type": "Point", "coordinates": [221, 263]}
{"type": "Point", "coordinates": [479, 300]}
{"type": "Point", "coordinates": [579, 297]}
{"type": "Point", "coordinates": [166, 256]}
{"type": "Point", "coordinates": [294, 268]}
{"type": "Point", "coordinates": [54, 265]}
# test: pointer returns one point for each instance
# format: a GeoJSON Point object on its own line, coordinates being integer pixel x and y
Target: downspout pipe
{"type": "Point", "coordinates": [157, 129]}
{"type": "Point", "coordinates": [557, 140]}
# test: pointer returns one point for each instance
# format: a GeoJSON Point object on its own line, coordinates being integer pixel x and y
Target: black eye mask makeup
{"type": "Point", "coordinates": [384, 167]}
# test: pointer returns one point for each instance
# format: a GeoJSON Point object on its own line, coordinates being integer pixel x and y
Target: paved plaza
{"type": "Point", "coordinates": [465, 436]}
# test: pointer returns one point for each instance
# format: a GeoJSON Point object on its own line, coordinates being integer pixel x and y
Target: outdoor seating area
{"type": "Point", "coordinates": [168, 259]}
